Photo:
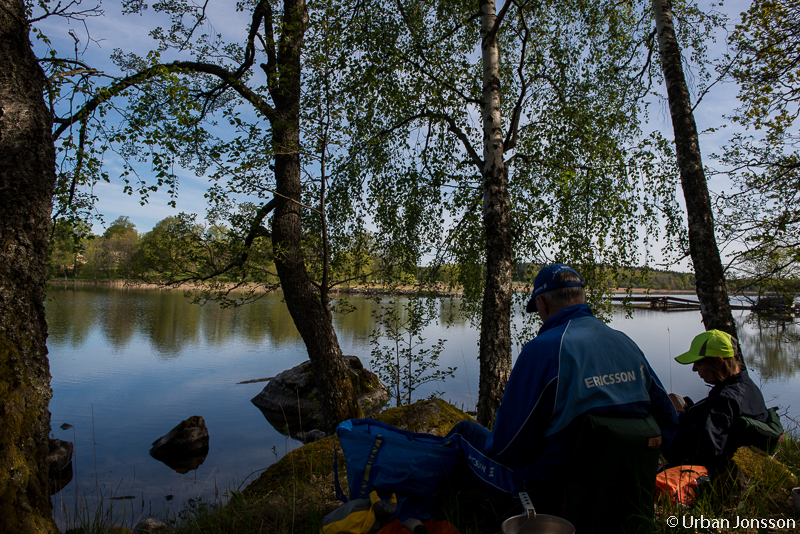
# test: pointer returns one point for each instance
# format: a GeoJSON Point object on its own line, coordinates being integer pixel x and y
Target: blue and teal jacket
{"type": "Point", "coordinates": [576, 365]}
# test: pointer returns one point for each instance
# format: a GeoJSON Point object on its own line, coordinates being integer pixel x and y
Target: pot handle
{"type": "Point", "coordinates": [527, 504]}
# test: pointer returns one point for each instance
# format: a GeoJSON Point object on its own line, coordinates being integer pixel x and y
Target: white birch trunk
{"type": "Point", "coordinates": [495, 341]}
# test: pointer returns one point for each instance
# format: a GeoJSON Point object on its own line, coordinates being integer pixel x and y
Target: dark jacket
{"type": "Point", "coordinates": [576, 365]}
{"type": "Point", "coordinates": [707, 434]}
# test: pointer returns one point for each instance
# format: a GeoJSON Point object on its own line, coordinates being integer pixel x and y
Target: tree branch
{"type": "Point", "coordinates": [73, 72]}
{"type": "Point", "coordinates": [491, 35]}
{"type": "Point", "coordinates": [452, 126]}
{"type": "Point", "coordinates": [158, 70]}
{"type": "Point", "coordinates": [513, 129]}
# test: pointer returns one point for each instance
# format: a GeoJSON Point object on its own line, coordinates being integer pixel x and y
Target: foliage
{"type": "Point", "coordinates": [585, 184]}
{"type": "Point", "coordinates": [406, 362]}
{"type": "Point", "coordinates": [68, 241]}
{"type": "Point", "coordinates": [761, 214]}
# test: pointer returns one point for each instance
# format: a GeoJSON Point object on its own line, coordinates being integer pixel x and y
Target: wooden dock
{"type": "Point", "coordinates": [668, 303]}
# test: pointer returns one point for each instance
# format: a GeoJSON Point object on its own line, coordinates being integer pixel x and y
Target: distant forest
{"type": "Point", "coordinates": [641, 278]}
{"type": "Point", "coordinates": [123, 253]}
{"type": "Point", "coordinates": [670, 280]}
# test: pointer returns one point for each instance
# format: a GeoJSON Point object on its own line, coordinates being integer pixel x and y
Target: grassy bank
{"type": "Point", "coordinates": [297, 502]}
{"type": "Point", "coordinates": [294, 494]}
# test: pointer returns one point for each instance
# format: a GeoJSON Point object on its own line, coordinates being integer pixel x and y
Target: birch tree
{"type": "Point", "coordinates": [518, 129]}
{"type": "Point", "coordinates": [711, 287]}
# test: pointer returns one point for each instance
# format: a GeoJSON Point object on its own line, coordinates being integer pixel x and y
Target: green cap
{"type": "Point", "coordinates": [710, 344]}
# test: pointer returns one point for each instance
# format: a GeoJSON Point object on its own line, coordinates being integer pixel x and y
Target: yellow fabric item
{"type": "Point", "coordinates": [355, 517]}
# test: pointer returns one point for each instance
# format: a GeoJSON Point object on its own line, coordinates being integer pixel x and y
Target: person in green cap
{"type": "Point", "coordinates": [708, 433]}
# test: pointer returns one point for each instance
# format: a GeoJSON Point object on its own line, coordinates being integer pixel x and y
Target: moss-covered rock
{"type": "Point", "coordinates": [315, 459]}
{"type": "Point", "coordinates": [429, 416]}
{"type": "Point", "coordinates": [760, 469]}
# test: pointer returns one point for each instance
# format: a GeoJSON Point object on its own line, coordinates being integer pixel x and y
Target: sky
{"type": "Point", "coordinates": [99, 36]}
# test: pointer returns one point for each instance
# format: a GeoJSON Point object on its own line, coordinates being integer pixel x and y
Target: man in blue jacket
{"type": "Point", "coordinates": [576, 365]}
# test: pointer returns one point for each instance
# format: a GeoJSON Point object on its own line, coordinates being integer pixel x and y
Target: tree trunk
{"type": "Point", "coordinates": [312, 319]}
{"type": "Point", "coordinates": [711, 291]}
{"type": "Point", "coordinates": [495, 340]}
{"type": "Point", "coordinates": [27, 180]}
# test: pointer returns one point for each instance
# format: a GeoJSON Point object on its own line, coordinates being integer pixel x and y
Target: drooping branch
{"type": "Point", "coordinates": [513, 130]}
{"type": "Point", "coordinates": [159, 70]}
{"type": "Point", "coordinates": [257, 229]}
{"type": "Point", "coordinates": [452, 127]}
{"type": "Point", "coordinates": [458, 92]}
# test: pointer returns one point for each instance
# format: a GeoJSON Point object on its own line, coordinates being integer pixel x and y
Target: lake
{"type": "Point", "coordinates": [127, 365]}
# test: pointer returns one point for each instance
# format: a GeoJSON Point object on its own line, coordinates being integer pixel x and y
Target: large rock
{"type": "Point", "coordinates": [289, 401]}
{"type": "Point", "coordinates": [59, 464]}
{"type": "Point", "coordinates": [756, 466]}
{"type": "Point", "coordinates": [185, 447]}
{"type": "Point", "coordinates": [58, 455]}
{"type": "Point", "coordinates": [150, 526]}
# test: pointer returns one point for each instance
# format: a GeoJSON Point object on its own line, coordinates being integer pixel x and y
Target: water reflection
{"type": "Point", "coordinates": [182, 463]}
{"type": "Point", "coordinates": [70, 320]}
{"type": "Point", "coordinates": [771, 345]}
{"type": "Point", "coordinates": [166, 319]}
{"type": "Point", "coordinates": [171, 324]}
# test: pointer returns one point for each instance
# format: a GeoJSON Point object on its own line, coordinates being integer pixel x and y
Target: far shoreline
{"type": "Point", "coordinates": [376, 289]}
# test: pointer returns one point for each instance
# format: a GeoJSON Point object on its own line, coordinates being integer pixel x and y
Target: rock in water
{"type": "Point", "coordinates": [185, 447]}
{"type": "Point", "coordinates": [59, 464]}
{"type": "Point", "coordinates": [289, 401]}
{"type": "Point", "coordinates": [58, 455]}
{"type": "Point", "coordinates": [150, 526]}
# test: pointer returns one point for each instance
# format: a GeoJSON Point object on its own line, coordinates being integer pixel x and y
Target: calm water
{"type": "Point", "coordinates": [128, 365]}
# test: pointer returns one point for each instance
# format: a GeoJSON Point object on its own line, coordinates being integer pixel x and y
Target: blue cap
{"type": "Point", "coordinates": [546, 281]}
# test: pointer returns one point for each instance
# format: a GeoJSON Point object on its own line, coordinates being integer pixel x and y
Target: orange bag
{"type": "Point", "coordinates": [680, 482]}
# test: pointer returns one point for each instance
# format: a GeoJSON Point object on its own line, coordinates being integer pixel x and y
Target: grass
{"type": "Point", "coordinates": [96, 519]}
{"type": "Point", "coordinates": [297, 504]}
{"type": "Point", "coordinates": [757, 489]}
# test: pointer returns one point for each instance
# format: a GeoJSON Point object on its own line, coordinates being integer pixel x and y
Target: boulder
{"type": "Point", "coordinates": [289, 401]}
{"type": "Point", "coordinates": [754, 465]}
{"type": "Point", "coordinates": [150, 526]}
{"type": "Point", "coordinates": [308, 437]}
{"type": "Point", "coordinates": [58, 455]}
{"type": "Point", "coordinates": [185, 447]}
{"type": "Point", "coordinates": [59, 464]}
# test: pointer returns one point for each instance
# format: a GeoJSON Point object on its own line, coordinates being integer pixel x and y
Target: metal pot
{"type": "Point", "coordinates": [532, 523]}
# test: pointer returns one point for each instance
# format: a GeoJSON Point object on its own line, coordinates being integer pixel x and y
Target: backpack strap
{"type": "Point", "coordinates": [336, 486]}
{"type": "Point", "coordinates": [366, 484]}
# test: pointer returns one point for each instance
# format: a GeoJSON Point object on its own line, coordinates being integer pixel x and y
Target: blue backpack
{"type": "Point", "coordinates": [381, 457]}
